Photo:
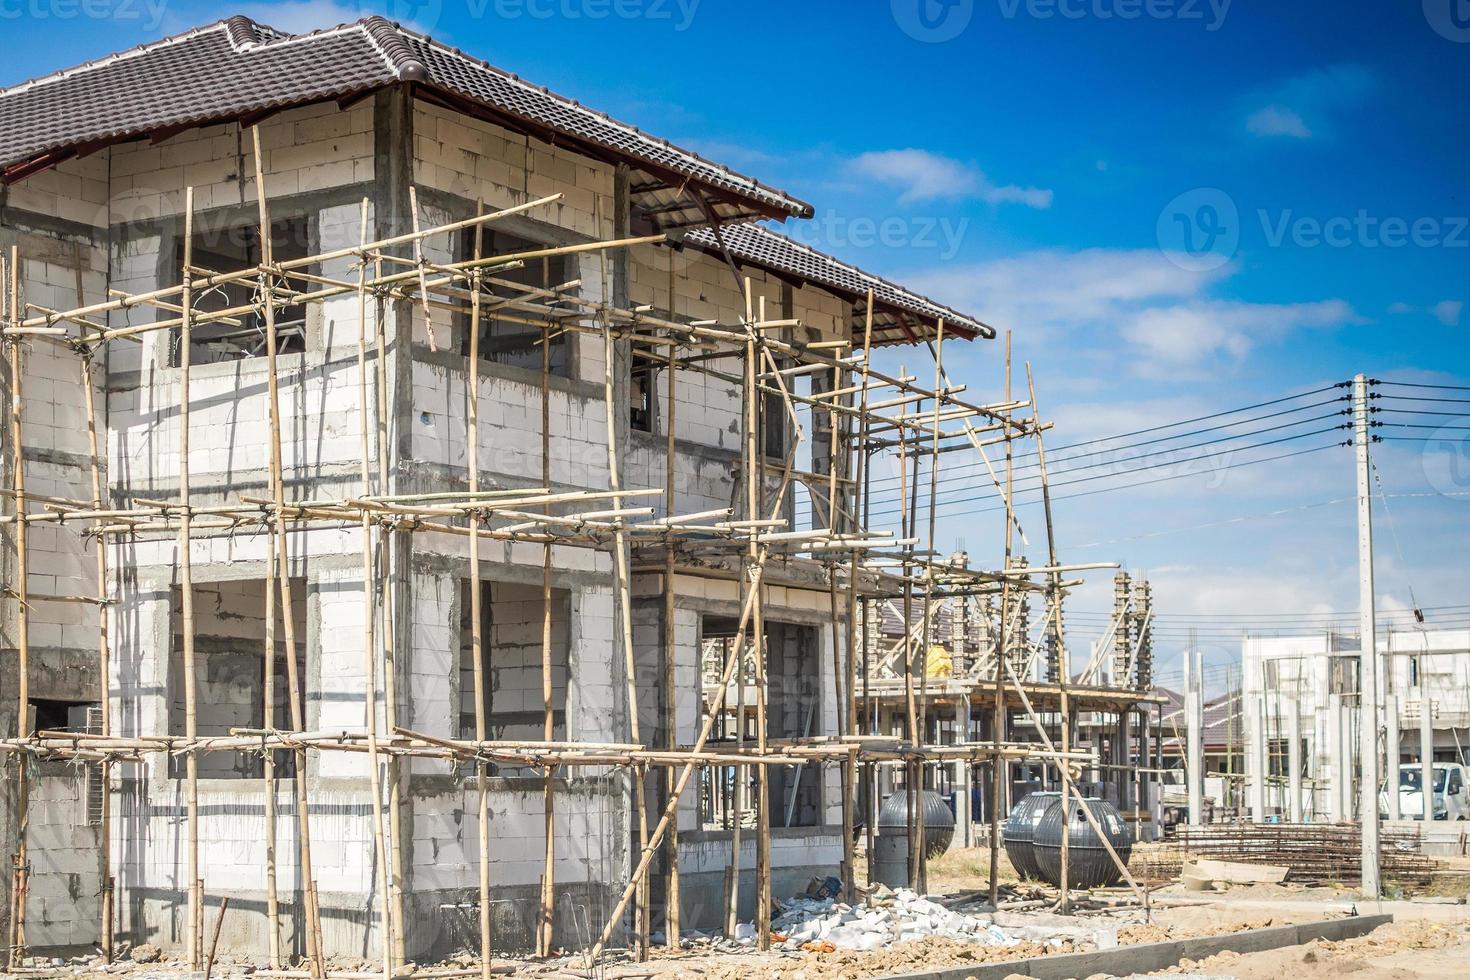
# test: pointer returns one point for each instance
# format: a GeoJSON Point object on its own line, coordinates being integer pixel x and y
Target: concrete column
{"type": "Point", "coordinates": [1293, 806]}
{"type": "Point", "coordinates": [1335, 755]}
{"type": "Point", "coordinates": [962, 781]}
{"type": "Point", "coordinates": [1255, 749]}
{"type": "Point", "coordinates": [1194, 720]}
{"type": "Point", "coordinates": [1391, 738]}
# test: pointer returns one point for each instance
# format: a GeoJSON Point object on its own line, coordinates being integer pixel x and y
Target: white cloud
{"type": "Point", "coordinates": [1399, 309]}
{"type": "Point", "coordinates": [925, 176]}
{"type": "Point", "coordinates": [1278, 120]}
{"type": "Point", "coordinates": [1130, 308]}
{"type": "Point", "coordinates": [1188, 334]}
{"type": "Point", "coordinates": [1448, 312]}
{"type": "Point", "coordinates": [1304, 107]}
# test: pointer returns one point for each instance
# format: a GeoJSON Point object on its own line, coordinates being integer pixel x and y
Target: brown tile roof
{"type": "Point", "coordinates": [238, 69]}
{"type": "Point", "coordinates": [900, 316]}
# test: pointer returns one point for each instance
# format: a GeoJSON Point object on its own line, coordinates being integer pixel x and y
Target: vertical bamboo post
{"type": "Point", "coordinates": [859, 461]}
{"type": "Point", "coordinates": [624, 604]}
{"type": "Point", "coordinates": [283, 570]}
{"type": "Point", "coordinates": [913, 788]}
{"type": "Point", "coordinates": [837, 455]}
{"type": "Point", "coordinates": [477, 639]}
{"type": "Point", "coordinates": [104, 831]}
{"type": "Point", "coordinates": [21, 872]}
{"type": "Point", "coordinates": [546, 922]}
{"type": "Point", "coordinates": [1063, 668]}
{"type": "Point", "coordinates": [923, 875]}
{"type": "Point", "coordinates": [672, 900]}
{"type": "Point", "coordinates": [268, 768]}
{"type": "Point", "coordinates": [390, 660]}
{"type": "Point", "coordinates": [369, 610]}
{"type": "Point", "coordinates": [755, 500]}
{"type": "Point", "coordinates": [999, 770]}
{"type": "Point", "coordinates": [186, 596]}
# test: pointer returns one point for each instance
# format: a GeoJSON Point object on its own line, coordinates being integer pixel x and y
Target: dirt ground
{"type": "Point", "coordinates": [1428, 940]}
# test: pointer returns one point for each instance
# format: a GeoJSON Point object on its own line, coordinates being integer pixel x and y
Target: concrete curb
{"type": "Point", "coordinates": [1126, 960]}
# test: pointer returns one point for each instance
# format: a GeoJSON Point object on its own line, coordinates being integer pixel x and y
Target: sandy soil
{"type": "Point", "coordinates": [1416, 950]}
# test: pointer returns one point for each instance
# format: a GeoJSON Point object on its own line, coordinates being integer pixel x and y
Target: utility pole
{"type": "Point", "coordinates": [1368, 649]}
{"type": "Point", "coordinates": [1426, 740]}
{"type": "Point", "coordinates": [1194, 758]}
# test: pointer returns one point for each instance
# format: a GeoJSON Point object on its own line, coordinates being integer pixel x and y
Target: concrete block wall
{"type": "Point", "coordinates": [513, 646]}
{"type": "Point", "coordinates": [66, 881]}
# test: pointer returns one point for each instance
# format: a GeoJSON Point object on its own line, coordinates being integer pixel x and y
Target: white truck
{"type": "Point", "coordinates": [1450, 793]}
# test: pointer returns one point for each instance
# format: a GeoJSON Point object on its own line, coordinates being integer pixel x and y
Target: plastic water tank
{"type": "Point", "coordinates": [1088, 862]}
{"type": "Point", "coordinates": [1020, 828]}
{"type": "Point", "coordinates": [891, 849]}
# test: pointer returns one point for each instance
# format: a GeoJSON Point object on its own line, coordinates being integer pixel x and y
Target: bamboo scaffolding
{"type": "Point", "coordinates": [863, 410]}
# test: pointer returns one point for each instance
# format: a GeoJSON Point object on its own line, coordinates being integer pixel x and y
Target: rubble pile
{"type": "Point", "coordinates": [885, 919]}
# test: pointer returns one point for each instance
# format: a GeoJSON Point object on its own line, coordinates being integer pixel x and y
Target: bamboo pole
{"type": "Point", "coordinates": [19, 862]}
{"type": "Point", "coordinates": [186, 598]}
{"type": "Point", "coordinates": [923, 875]}
{"type": "Point", "coordinates": [268, 761]}
{"type": "Point", "coordinates": [913, 777]}
{"type": "Point", "coordinates": [755, 500]}
{"type": "Point", "coordinates": [283, 561]}
{"type": "Point", "coordinates": [546, 922]}
{"type": "Point", "coordinates": [369, 617]}
{"type": "Point", "coordinates": [673, 910]}
{"type": "Point", "coordinates": [625, 611]}
{"type": "Point", "coordinates": [999, 768]}
{"type": "Point", "coordinates": [1064, 668]}
{"type": "Point", "coordinates": [477, 640]}
{"type": "Point", "coordinates": [104, 831]}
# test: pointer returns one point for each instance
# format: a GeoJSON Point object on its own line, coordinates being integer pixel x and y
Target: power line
{"type": "Point", "coordinates": [1141, 469]}
{"type": "Point", "coordinates": [1113, 438]}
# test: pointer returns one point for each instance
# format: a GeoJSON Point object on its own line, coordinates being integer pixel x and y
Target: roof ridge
{"type": "Point", "coordinates": [241, 31]}
{"type": "Point", "coordinates": [117, 56]}
{"type": "Point", "coordinates": [387, 37]}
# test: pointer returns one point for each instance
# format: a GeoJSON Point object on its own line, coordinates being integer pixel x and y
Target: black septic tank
{"type": "Point", "coordinates": [1019, 828]}
{"type": "Point", "coordinates": [1088, 863]}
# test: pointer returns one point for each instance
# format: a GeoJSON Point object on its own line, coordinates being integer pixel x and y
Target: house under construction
{"type": "Point", "coordinates": [390, 445]}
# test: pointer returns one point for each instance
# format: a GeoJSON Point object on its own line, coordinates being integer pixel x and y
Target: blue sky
{"type": "Point", "coordinates": [1040, 163]}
